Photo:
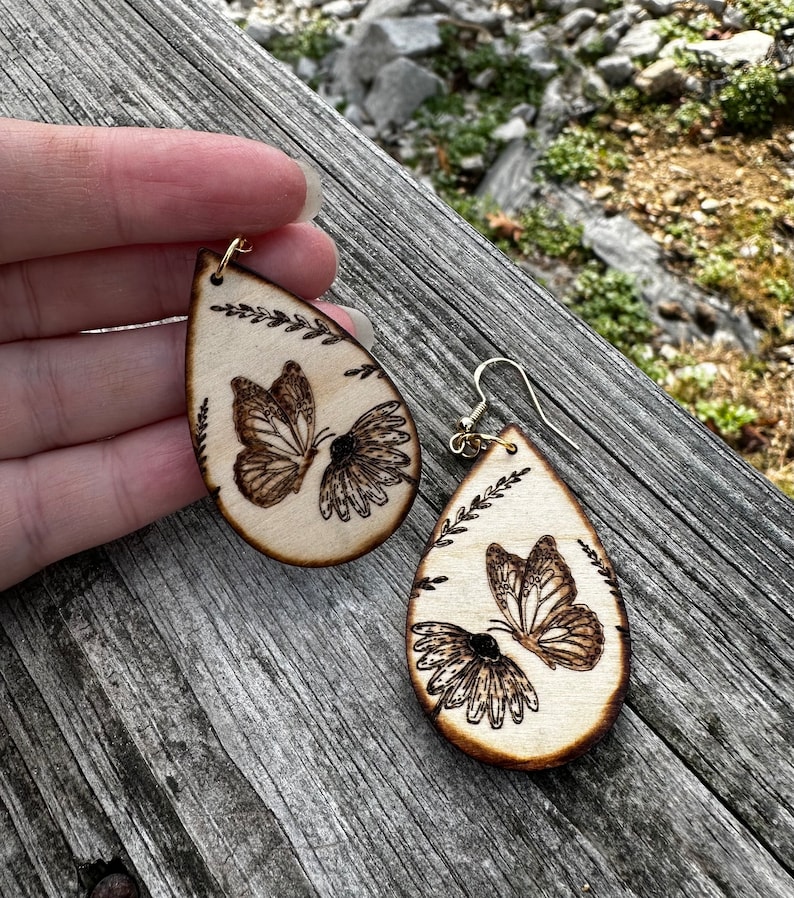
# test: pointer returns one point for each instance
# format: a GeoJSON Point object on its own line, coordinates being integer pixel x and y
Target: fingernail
{"type": "Point", "coordinates": [365, 332]}
{"type": "Point", "coordinates": [314, 191]}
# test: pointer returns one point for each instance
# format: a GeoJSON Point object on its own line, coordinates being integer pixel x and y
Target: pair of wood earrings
{"type": "Point", "coordinates": [517, 638]}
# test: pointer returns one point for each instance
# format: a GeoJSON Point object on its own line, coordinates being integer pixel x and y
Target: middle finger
{"type": "Point", "coordinates": [71, 390]}
{"type": "Point", "coordinates": [131, 285]}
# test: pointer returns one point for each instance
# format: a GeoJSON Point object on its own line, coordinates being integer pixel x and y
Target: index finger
{"type": "Point", "coordinates": [64, 189]}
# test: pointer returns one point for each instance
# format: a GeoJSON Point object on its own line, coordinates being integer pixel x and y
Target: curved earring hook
{"type": "Point", "coordinates": [478, 375]}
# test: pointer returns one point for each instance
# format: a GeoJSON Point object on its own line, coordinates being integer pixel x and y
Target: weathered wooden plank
{"type": "Point", "coordinates": [304, 737]}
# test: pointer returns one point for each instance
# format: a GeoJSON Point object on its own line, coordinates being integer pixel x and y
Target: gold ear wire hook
{"type": "Point", "coordinates": [468, 443]}
{"type": "Point", "coordinates": [237, 246]}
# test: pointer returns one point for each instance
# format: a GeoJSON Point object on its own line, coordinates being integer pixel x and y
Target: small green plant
{"type": "Point", "coordinates": [551, 234]}
{"type": "Point", "coordinates": [716, 271]}
{"type": "Point", "coordinates": [513, 81]}
{"type": "Point", "coordinates": [690, 381]}
{"type": "Point", "coordinates": [570, 157]}
{"type": "Point", "coordinates": [781, 290]}
{"type": "Point", "coordinates": [579, 154]}
{"type": "Point", "coordinates": [314, 41]}
{"type": "Point", "coordinates": [609, 302]}
{"type": "Point", "coordinates": [691, 115]}
{"type": "Point", "coordinates": [672, 27]}
{"type": "Point", "coordinates": [726, 417]}
{"type": "Point", "coordinates": [456, 136]}
{"type": "Point", "coordinates": [749, 99]}
{"type": "Point", "coordinates": [768, 16]}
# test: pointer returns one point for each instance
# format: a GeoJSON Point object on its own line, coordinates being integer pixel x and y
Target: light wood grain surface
{"type": "Point", "coordinates": [228, 726]}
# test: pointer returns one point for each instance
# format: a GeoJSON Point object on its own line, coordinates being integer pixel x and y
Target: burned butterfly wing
{"type": "Point", "coordinates": [364, 462]}
{"type": "Point", "coordinates": [537, 599]}
{"type": "Point", "coordinates": [276, 428]}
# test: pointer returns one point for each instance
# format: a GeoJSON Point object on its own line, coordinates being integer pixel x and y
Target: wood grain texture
{"type": "Point", "coordinates": [225, 725]}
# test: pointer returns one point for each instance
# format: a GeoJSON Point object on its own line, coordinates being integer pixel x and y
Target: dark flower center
{"type": "Point", "coordinates": [485, 646]}
{"type": "Point", "coordinates": [343, 448]}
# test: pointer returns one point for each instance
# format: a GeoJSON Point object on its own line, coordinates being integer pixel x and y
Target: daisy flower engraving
{"type": "Point", "coordinates": [364, 461]}
{"type": "Point", "coordinates": [470, 669]}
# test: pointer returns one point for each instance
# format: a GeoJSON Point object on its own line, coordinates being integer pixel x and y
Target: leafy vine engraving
{"type": "Point", "coordinates": [479, 503]}
{"type": "Point", "coordinates": [454, 527]}
{"type": "Point", "coordinates": [200, 442]}
{"type": "Point", "coordinates": [364, 371]}
{"type": "Point", "coordinates": [603, 569]}
{"type": "Point", "coordinates": [316, 329]}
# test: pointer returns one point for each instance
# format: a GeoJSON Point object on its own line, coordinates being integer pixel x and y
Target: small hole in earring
{"type": "Point", "coordinates": [217, 281]}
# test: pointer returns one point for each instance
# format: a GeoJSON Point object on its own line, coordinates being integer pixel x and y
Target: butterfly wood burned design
{"type": "Point", "coordinates": [536, 596]}
{"type": "Point", "coordinates": [517, 637]}
{"type": "Point", "coordinates": [301, 436]}
{"type": "Point", "coordinates": [277, 430]}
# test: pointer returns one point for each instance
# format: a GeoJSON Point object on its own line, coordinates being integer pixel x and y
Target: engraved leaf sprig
{"type": "Point", "coordinates": [429, 583]}
{"type": "Point", "coordinates": [314, 329]}
{"type": "Point", "coordinates": [200, 444]}
{"type": "Point", "coordinates": [453, 527]}
{"type": "Point", "coordinates": [364, 371]}
{"type": "Point", "coordinates": [603, 569]}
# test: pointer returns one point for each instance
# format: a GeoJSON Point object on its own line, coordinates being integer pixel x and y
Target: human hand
{"type": "Point", "coordinates": [100, 228]}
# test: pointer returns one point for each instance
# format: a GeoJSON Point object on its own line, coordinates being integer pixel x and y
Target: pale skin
{"type": "Point", "coordinates": [100, 228]}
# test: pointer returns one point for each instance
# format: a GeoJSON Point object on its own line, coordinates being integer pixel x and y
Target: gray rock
{"type": "Point", "coordinates": [544, 70]}
{"type": "Point", "coordinates": [659, 77]}
{"type": "Point", "coordinates": [339, 9]}
{"type": "Point", "coordinates": [590, 41]}
{"type": "Point", "coordinates": [555, 110]}
{"type": "Point", "coordinates": [594, 87]}
{"type": "Point", "coordinates": [381, 9]}
{"type": "Point", "coordinates": [354, 115]}
{"type": "Point", "coordinates": [261, 29]}
{"type": "Point", "coordinates": [621, 17]}
{"type": "Point", "coordinates": [510, 180]}
{"type": "Point", "coordinates": [400, 87]}
{"type": "Point", "coordinates": [658, 8]}
{"type": "Point", "coordinates": [716, 6]}
{"type": "Point", "coordinates": [747, 47]}
{"type": "Point", "coordinates": [616, 69]}
{"type": "Point", "coordinates": [306, 69]}
{"type": "Point", "coordinates": [733, 18]}
{"type": "Point", "coordinates": [623, 245]}
{"type": "Point", "coordinates": [534, 46]}
{"type": "Point", "coordinates": [571, 5]}
{"type": "Point", "coordinates": [378, 43]}
{"type": "Point", "coordinates": [473, 13]}
{"type": "Point", "coordinates": [513, 129]}
{"type": "Point", "coordinates": [525, 111]}
{"type": "Point", "coordinates": [344, 79]}
{"type": "Point", "coordinates": [485, 79]}
{"type": "Point", "coordinates": [641, 41]}
{"type": "Point", "coordinates": [612, 35]}
{"type": "Point", "coordinates": [576, 22]}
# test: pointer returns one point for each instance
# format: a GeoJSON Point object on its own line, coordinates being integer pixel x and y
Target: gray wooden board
{"type": "Point", "coordinates": [226, 726]}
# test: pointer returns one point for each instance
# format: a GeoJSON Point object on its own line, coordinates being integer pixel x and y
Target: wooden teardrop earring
{"type": "Point", "coordinates": [517, 637]}
{"type": "Point", "coordinates": [304, 442]}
